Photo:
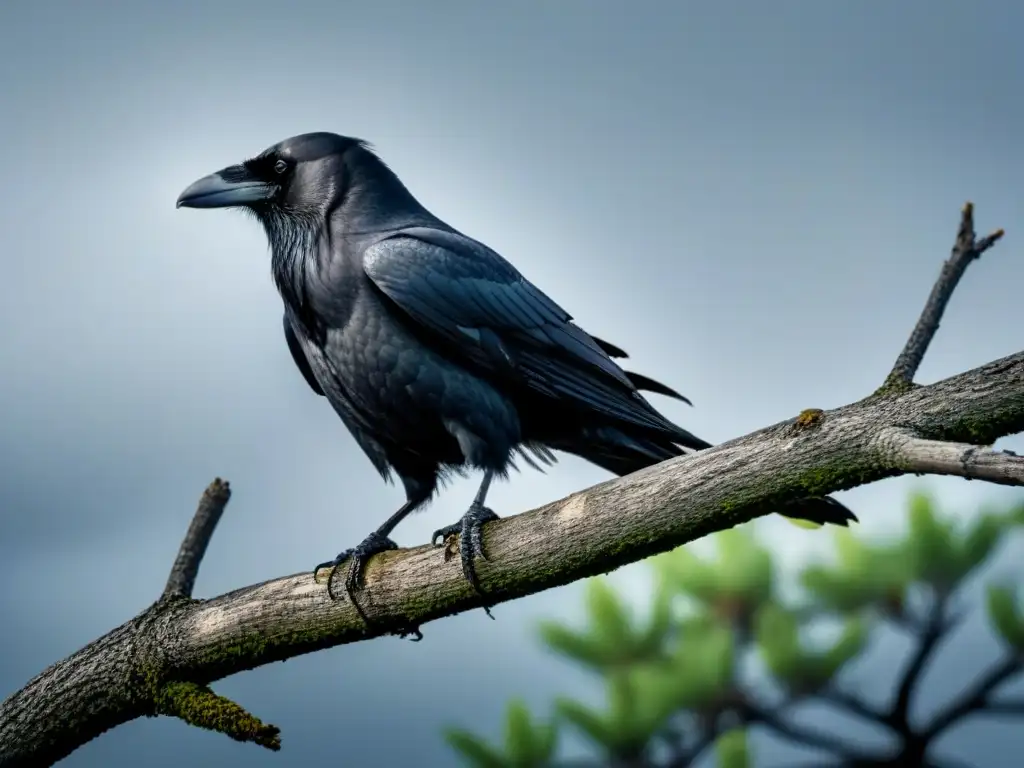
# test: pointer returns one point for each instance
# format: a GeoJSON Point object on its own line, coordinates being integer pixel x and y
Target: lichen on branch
{"type": "Point", "coordinates": [198, 705]}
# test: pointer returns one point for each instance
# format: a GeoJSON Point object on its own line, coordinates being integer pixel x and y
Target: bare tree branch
{"type": "Point", "coordinates": [186, 565]}
{"type": "Point", "coordinates": [163, 660]}
{"type": "Point", "coordinates": [935, 457]}
{"type": "Point", "coordinates": [965, 250]}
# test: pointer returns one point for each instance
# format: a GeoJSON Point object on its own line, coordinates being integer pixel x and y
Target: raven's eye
{"type": "Point", "coordinates": [280, 166]}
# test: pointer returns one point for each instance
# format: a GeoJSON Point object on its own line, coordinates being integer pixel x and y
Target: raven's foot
{"type": "Point", "coordinates": [471, 542]}
{"type": "Point", "coordinates": [357, 558]}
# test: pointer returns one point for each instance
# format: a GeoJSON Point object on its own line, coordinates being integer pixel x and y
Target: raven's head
{"type": "Point", "coordinates": [299, 186]}
{"type": "Point", "coordinates": [302, 175]}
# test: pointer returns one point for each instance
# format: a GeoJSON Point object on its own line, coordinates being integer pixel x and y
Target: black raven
{"type": "Point", "coordinates": [435, 352]}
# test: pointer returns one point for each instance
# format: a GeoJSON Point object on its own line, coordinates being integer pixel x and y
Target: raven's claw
{"type": "Point", "coordinates": [358, 556]}
{"type": "Point", "coordinates": [471, 542]}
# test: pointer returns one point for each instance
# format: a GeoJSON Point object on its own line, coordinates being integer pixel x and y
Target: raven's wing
{"type": "Point", "coordinates": [480, 306]}
{"type": "Point", "coordinates": [609, 349]}
{"type": "Point", "coordinates": [300, 357]}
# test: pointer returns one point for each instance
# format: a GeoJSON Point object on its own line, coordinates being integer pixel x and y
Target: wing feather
{"type": "Point", "coordinates": [468, 295]}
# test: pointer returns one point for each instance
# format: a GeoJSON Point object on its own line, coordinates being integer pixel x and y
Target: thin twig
{"type": "Point", "coordinates": [935, 629]}
{"type": "Point", "coordinates": [1005, 707]}
{"type": "Point", "coordinates": [975, 698]}
{"type": "Point", "coordinates": [811, 737]}
{"type": "Point", "coordinates": [946, 762]}
{"type": "Point", "coordinates": [186, 565]}
{"type": "Point", "coordinates": [965, 250]}
{"type": "Point", "coordinates": [852, 704]}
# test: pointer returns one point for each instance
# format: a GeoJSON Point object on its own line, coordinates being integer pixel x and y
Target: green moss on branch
{"type": "Point", "coordinates": [981, 430]}
{"type": "Point", "coordinates": [200, 706]}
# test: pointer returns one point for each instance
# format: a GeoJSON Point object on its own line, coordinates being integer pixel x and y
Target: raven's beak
{"type": "Point", "coordinates": [232, 186]}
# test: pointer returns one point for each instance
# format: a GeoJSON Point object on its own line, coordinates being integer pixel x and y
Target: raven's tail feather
{"type": "Point", "coordinates": [627, 449]}
{"type": "Point", "coordinates": [823, 510]}
{"type": "Point", "coordinates": [638, 379]}
{"type": "Point", "coordinates": [622, 454]}
{"type": "Point", "coordinates": [534, 454]}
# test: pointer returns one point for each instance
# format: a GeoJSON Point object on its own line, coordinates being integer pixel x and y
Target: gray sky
{"type": "Point", "coordinates": [751, 198]}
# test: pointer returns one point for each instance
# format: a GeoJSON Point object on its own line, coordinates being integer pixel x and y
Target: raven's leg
{"type": "Point", "coordinates": [470, 530]}
{"type": "Point", "coordinates": [358, 556]}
